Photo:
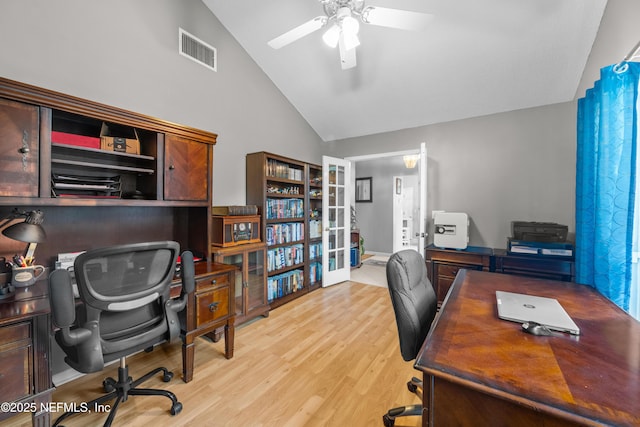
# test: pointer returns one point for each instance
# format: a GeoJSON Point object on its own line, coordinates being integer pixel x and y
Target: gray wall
{"type": "Point", "coordinates": [125, 53]}
{"type": "Point", "coordinates": [518, 165]}
{"type": "Point", "coordinates": [500, 168]}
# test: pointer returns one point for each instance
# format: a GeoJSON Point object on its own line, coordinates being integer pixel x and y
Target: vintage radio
{"type": "Point", "coordinates": [232, 230]}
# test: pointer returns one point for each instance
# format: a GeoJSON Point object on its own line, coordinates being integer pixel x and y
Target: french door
{"type": "Point", "coordinates": [336, 220]}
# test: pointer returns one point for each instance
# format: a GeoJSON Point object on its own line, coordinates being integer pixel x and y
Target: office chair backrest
{"type": "Point", "coordinates": [414, 300]}
{"type": "Point", "coordinates": [125, 291]}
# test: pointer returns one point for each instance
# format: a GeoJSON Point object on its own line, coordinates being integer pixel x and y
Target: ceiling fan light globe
{"type": "Point", "coordinates": [331, 36]}
{"type": "Point", "coordinates": [350, 40]}
{"type": "Point", "coordinates": [350, 25]}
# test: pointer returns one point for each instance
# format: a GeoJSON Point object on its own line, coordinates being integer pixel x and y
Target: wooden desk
{"type": "Point", "coordinates": [480, 370]}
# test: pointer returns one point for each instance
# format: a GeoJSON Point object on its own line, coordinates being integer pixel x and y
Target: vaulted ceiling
{"type": "Point", "coordinates": [474, 58]}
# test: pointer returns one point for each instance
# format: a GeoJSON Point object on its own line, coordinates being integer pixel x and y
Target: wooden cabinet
{"type": "Point", "coordinates": [544, 267]}
{"type": "Point", "coordinates": [279, 186]}
{"type": "Point", "coordinates": [443, 265]}
{"type": "Point", "coordinates": [24, 353]}
{"type": "Point", "coordinates": [249, 287]}
{"type": "Point", "coordinates": [19, 149]}
{"type": "Point", "coordinates": [208, 308]}
{"type": "Point", "coordinates": [186, 174]}
{"type": "Point", "coordinates": [15, 357]}
{"type": "Point", "coordinates": [92, 197]}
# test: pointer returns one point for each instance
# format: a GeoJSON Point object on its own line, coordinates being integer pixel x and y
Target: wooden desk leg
{"type": "Point", "coordinates": [427, 402]}
{"type": "Point", "coordinates": [229, 336]}
{"type": "Point", "coordinates": [41, 418]}
{"type": "Point", "coordinates": [188, 355]}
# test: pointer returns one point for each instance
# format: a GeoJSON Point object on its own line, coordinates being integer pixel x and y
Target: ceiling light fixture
{"type": "Point", "coordinates": [343, 20]}
{"type": "Point", "coordinates": [345, 27]}
{"type": "Point", "coordinates": [411, 160]}
{"type": "Point", "coordinates": [331, 36]}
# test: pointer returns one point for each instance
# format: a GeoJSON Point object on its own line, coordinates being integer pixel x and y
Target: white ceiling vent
{"type": "Point", "coordinates": [197, 50]}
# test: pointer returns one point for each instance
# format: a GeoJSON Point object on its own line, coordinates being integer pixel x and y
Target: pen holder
{"type": "Point", "coordinates": [26, 276]}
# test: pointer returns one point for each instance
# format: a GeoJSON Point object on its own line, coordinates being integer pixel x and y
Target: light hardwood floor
{"type": "Point", "coordinates": [329, 358]}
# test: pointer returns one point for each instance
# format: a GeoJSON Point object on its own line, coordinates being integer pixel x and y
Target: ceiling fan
{"type": "Point", "coordinates": [341, 16]}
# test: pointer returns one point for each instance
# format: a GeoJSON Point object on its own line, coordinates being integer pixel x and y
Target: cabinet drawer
{"type": "Point", "coordinates": [15, 366]}
{"type": "Point", "coordinates": [14, 334]}
{"type": "Point", "coordinates": [212, 305]}
{"type": "Point", "coordinates": [210, 282]}
{"type": "Point", "coordinates": [450, 270]}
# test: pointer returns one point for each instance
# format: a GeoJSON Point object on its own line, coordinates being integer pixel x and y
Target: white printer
{"type": "Point", "coordinates": [451, 230]}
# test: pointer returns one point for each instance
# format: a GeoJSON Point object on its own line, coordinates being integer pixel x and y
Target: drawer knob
{"type": "Point", "coordinates": [213, 306]}
{"type": "Point", "coordinates": [214, 281]}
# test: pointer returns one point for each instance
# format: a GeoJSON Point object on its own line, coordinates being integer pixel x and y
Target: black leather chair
{"type": "Point", "coordinates": [415, 305]}
{"type": "Point", "coordinates": [125, 307]}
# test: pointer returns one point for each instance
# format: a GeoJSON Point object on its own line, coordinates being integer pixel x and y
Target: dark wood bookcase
{"type": "Point", "coordinates": [288, 194]}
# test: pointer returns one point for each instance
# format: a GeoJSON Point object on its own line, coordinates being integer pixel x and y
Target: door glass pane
{"type": "Point", "coordinates": [340, 242]}
{"type": "Point", "coordinates": [332, 174]}
{"type": "Point", "coordinates": [255, 280]}
{"type": "Point", "coordinates": [340, 259]}
{"type": "Point", "coordinates": [332, 196]}
{"type": "Point", "coordinates": [332, 239]}
{"type": "Point", "coordinates": [341, 196]}
{"type": "Point", "coordinates": [341, 217]}
{"type": "Point", "coordinates": [332, 217]}
{"type": "Point", "coordinates": [340, 175]}
{"type": "Point", "coordinates": [237, 261]}
{"type": "Point", "coordinates": [332, 261]}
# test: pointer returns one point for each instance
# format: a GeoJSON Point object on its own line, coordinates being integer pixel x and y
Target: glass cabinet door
{"type": "Point", "coordinates": [237, 260]}
{"type": "Point", "coordinates": [255, 295]}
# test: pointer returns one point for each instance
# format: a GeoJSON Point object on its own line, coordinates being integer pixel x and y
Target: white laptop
{"type": "Point", "coordinates": [528, 308]}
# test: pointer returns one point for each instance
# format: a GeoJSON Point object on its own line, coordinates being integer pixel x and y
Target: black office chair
{"type": "Point", "coordinates": [125, 308]}
{"type": "Point", "coordinates": [415, 305]}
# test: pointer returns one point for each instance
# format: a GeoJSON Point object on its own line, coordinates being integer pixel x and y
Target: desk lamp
{"type": "Point", "coordinates": [29, 231]}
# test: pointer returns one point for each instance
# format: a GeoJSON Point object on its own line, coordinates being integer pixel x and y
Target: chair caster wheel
{"type": "Point", "coordinates": [388, 421]}
{"type": "Point", "coordinates": [167, 377]}
{"type": "Point", "coordinates": [412, 387]}
{"type": "Point", "coordinates": [108, 386]}
{"type": "Point", "coordinates": [176, 408]}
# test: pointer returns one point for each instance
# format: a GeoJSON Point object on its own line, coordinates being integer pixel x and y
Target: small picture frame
{"type": "Point", "coordinates": [364, 190]}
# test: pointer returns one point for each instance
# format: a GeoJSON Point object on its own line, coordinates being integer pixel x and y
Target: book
{"type": "Point", "coordinates": [234, 210]}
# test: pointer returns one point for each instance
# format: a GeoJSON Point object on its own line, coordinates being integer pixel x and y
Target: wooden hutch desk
{"type": "Point", "coordinates": [480, 370]}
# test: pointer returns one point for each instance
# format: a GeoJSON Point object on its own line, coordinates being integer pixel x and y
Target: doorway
{"type": "Point", "coordinates": [375, 218]}
{"type": "Point", "coordinates": [406, 212]}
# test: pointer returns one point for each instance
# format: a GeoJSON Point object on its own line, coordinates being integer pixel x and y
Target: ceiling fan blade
{"type": "Point", "coordinates": [395, 18]}
{"type": "Point", "coordinates": [298, 32]}
{"type": "Point", "coordinates": [347, 56]}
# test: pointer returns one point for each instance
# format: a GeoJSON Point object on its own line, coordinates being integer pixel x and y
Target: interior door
{"type": "Point", "coordinates": [398, 189]}
{"type": "Point", "coordinates": [422, 213]}
{"type": "Point", "coordinates": [336, 220]}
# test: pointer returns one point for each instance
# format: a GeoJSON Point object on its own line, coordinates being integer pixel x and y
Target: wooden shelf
{"type": "Point", "coordinates": [258, 182]}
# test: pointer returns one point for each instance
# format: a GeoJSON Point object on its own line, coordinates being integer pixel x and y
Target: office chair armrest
{"type": "Point", "coordinates": [61, 299]}
{"type": "Point", "coordinates": [63, 307]}
{"type": "Point", "coordinates": [188, 273]}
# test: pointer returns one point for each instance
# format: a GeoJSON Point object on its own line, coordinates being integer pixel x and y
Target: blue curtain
{"type": "Point", "coordinates": [606, 182]}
